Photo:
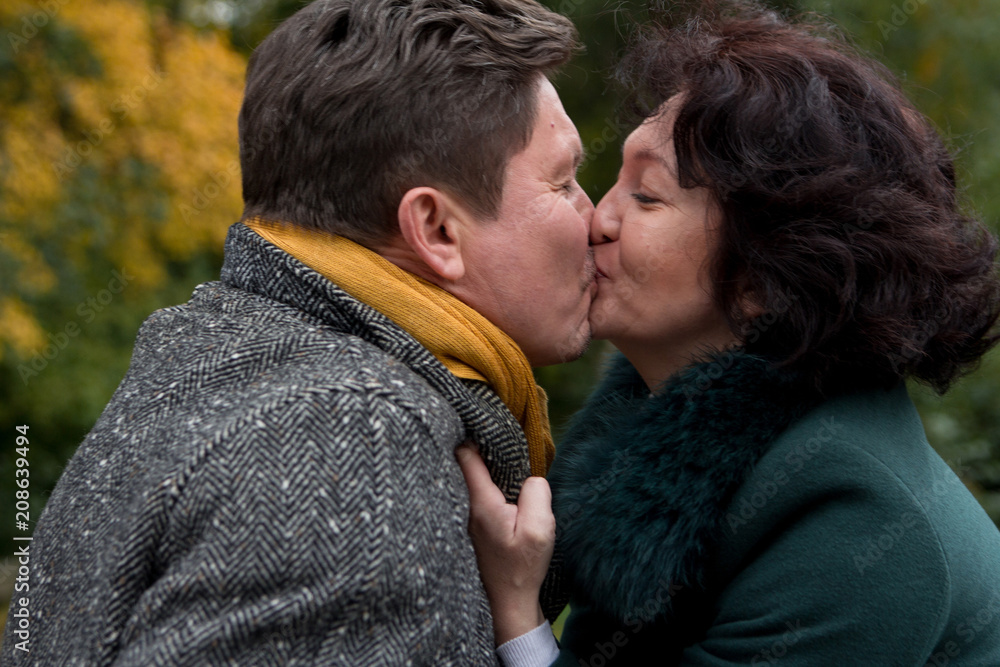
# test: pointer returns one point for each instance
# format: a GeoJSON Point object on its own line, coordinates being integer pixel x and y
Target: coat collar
{"type": "Point", "coordinates": [641, 483]}
{"type": "Point", "coordinates": [253, 265]}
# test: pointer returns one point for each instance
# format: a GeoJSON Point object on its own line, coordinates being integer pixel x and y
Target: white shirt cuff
{"type": "Point", "coordinates": [537, 648]}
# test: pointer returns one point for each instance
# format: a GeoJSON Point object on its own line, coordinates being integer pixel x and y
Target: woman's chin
{"type": "Point", "coordinates": [607, 319]}
{"type": "Point", "coordinates": [599, 329]}
{"type": "Point", "coordinates": [602, 332]}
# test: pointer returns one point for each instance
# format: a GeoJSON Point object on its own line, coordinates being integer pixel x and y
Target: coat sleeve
{"type": "Point", "coordinates": [330, 529]}
{"type": "Point", "coordinates": [848, 571]}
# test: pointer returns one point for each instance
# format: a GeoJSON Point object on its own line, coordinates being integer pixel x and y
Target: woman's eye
{"type": "Point", "coordinates": [643, 199]}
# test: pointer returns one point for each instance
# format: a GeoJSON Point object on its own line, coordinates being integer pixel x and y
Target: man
{"type": "Point", "coordinates": [274, 481]}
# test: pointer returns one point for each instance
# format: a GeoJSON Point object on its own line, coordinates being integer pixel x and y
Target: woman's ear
{"type": "Point", "coordinates": [750, 306]}
{"type": "Point", "coordinates": [432, 224]}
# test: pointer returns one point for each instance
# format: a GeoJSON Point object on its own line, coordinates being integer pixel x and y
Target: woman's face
{"type": "Point", "coordinates": [652, 240]}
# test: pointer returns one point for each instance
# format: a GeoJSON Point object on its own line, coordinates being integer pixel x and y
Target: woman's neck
{"type": "Point", "coordinates": [655, 364]}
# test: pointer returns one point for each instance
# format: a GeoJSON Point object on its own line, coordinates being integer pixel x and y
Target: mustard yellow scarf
{"type": "Point", "coordinates": [468, 344]}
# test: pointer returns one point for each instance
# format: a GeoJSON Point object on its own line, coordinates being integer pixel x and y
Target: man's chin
{"type": "Point", "coordinates": [584, 346]}
{"type": "Point", "coordinates": [574, 352]}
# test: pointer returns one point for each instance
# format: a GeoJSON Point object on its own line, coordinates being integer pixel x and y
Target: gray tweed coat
{"type": "Point", "coordinates": [273, 483]}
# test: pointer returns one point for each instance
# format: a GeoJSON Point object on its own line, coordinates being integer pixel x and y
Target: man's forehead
{"type": "Point", "coordinates": [559, 137]}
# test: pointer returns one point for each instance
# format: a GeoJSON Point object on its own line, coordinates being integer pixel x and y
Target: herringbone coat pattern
{"type": "Point", "coordinates": [273, 483]}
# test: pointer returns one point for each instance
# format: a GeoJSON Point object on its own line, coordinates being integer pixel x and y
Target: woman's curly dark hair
{"type": "Point", "coordinates": [841, 222]}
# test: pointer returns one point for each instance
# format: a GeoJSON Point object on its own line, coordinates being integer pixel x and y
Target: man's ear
{"type": "Point", "coordinates": [432, 223]}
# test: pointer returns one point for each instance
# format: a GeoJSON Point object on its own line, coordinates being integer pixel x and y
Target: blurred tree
{"type": "Point", "coordinates": [118, 178]}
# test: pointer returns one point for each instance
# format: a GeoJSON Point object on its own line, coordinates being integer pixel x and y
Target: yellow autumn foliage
{"type": "Point", "coordinates": [124, 117]}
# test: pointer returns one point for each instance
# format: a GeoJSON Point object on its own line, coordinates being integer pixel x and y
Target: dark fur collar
{"type": "Point", "coordinates": [641, 483]}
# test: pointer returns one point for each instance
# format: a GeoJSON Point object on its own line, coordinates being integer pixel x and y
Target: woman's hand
{"type": "Point", "coordinates": [513, 545]}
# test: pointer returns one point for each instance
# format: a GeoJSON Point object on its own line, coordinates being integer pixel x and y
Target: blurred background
{"type": "Point", "coordinates": [119, 175]}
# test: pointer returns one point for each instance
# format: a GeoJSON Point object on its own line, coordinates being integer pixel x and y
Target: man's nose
{"type": "Point", "coordinates": [585, 206]}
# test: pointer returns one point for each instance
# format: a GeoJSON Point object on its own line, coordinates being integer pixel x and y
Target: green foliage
{"type": "Point", "coordinates": [99, 102]}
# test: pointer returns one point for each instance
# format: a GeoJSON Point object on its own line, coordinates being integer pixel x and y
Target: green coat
{"type": "Point", "coordinates": [737, 518]}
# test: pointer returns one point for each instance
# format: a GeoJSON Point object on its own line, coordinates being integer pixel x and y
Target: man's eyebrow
{"type": "Point", "coordinates": [570, 167]}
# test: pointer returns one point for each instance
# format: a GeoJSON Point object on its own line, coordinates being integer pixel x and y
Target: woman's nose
{"type": "Point", "coordinates": [606, 223]}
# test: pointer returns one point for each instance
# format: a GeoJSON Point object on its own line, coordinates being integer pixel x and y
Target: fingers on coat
{"type": "Point", "coordinates": [482, 490]}
{"type": "Point", "coordinates": [534, 512]}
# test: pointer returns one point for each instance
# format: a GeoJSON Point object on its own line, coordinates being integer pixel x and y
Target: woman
{"type": "Point", "coordinates": [751, 483]}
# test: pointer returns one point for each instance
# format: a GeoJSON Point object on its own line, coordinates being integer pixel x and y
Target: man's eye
{"type": "Point", "coordinates": [569, 187]}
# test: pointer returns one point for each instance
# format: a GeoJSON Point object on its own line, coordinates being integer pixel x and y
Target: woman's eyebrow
{"type": "Point", "coordinates": [646, 154]}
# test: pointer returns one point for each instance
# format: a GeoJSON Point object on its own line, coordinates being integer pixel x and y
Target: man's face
{"type": "Point", "coordinates": [531, 271]}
